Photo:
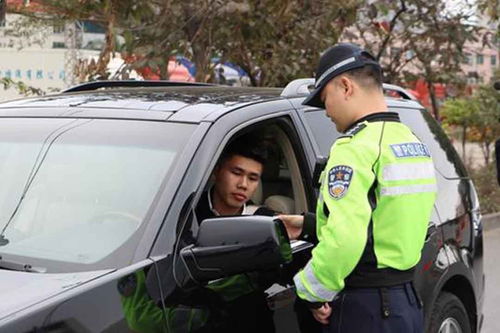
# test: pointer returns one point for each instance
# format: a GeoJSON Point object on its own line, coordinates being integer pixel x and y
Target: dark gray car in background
{"type": "Point", "coordinates": [99, 185]}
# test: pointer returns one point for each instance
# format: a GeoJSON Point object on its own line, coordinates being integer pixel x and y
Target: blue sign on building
{"type": "Point", "coordinates": [31, 74]}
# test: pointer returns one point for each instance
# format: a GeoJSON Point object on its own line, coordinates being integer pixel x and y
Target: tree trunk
{"type": "Point", "coordinates": [109, 43]}
{"type": "Point", "coordinates": [464, 132]}
{"type": "Point", "coordinates": [392, 24]}
{"type": "Point", "coordinates": [432, 95]}
{"type": "Point", "coordinates": [197, 29]}
{"type": "Point", "coordinates": [164, 69]}
{"type": "Point", "coordinates": [485, 145]}
{"type": "Point", "coordinates": [247, 67]}
{"type": "Point", "coordinates": [201, 59]}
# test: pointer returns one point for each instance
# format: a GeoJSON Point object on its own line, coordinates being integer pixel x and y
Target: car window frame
{"type": "Point", "coordinates": [197, 172]}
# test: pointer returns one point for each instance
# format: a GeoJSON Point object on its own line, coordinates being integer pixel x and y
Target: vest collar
{"type": "Point", "coordinates": [379, 116]}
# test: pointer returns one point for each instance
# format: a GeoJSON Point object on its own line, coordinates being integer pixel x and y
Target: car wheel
{"type": "Point", "coordinates": [449, 315]}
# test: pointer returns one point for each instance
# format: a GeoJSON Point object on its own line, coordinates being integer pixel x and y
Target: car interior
{"type": "Point", "coordinates": [281, 188]}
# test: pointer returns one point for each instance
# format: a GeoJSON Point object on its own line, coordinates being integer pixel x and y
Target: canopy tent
{"type": "Point", "coordinates": [182, 69]}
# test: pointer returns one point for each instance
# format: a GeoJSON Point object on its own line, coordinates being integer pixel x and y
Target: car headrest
{"type": "Point", "coordinates": [280, 204]}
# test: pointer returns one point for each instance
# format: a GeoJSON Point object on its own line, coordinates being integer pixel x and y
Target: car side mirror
{"type": "Point", "coordinates": [231, 245]}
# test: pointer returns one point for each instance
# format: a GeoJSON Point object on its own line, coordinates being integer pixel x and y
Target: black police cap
{"type": "Point", "coordinates": [336, 60]}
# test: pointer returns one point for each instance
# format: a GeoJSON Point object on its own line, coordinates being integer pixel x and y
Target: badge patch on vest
{"type": "Point", "coordinates": [339, 179]}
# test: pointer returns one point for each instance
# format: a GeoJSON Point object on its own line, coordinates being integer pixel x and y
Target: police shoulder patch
{"type": "Point", "coordinates": [356, 129]}
{"type": "Point", "coordinates": [353, 131]}
{"type": "Point", "coordinates": [339, 179]}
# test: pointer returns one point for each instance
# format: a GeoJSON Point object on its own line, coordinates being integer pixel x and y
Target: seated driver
{"type": "Point", "coordinates": [242, 305]}
{"type": "Point", "coordinates": [236, 178]}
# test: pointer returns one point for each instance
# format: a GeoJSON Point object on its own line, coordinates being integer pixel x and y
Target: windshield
{"type": "Point", "coordinates": [76, 190]}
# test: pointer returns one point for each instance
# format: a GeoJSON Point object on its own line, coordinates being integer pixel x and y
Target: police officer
{"type": "Point", "coordinates": [376, 196]}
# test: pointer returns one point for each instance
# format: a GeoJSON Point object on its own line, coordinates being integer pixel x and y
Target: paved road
{"type": "Point", "coordinates": [492, 270]}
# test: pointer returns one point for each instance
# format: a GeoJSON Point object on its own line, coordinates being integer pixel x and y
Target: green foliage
{"type": "Point", "coordinates": [416, 37]}
{"type": "Point", "coordinates": [274, 41]}
{"type": "Point", "coordinates": [26, 31]}
{"type": "Point", "coordinates": [487, 188]}
{"type": "Point", "coordinates": [277, 41]}
{"type": "Point", "coordinates": [458, 111]}
{"type": "Point", "coordinates": [415, 33]}
{"type": "Point", "coordinates": [21, 87]}
{"type": "Point", "coordinates": [487, 119]}
{"type": "Point", "coordinates": [478, 116]}
{"type": "Point", "coordinates": [492, 9]}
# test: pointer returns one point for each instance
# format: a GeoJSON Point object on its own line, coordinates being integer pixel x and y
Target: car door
{"type": "Point", "coordinates": [288, 315]}
{"type": "Point", "coordinates": [113, 302]}
{"type": "Point", "coordinates": [461, 250]}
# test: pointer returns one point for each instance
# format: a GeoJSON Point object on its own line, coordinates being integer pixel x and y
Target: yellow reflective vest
{"type": "Point", "coordinates": [376, 197]}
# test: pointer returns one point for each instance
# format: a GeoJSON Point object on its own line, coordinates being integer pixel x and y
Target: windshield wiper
{"type": "Point", "coordinates": [20, 267]}
{"type": "Point", "coordinates": [3, 241]}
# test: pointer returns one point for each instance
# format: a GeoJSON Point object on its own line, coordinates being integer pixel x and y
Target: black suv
{"type": "Point", "coordinates": [99, 188]}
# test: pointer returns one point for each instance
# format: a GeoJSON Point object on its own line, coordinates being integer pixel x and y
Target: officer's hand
{"type": "Point", "coordinates": [322, 314]}
{"type": "Point", "coordinates": [293, 225]}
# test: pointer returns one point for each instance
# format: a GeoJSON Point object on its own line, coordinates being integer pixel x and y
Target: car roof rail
{"type": "Point", "coordinates": [94, 85]}
{"type": "Point", "coordinates": [298, 87]}
{"type": "Point", "coordinates": [404, 94]}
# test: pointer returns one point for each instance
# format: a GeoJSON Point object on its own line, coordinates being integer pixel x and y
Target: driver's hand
{"type": "Point", "coordinates": [293, 225]}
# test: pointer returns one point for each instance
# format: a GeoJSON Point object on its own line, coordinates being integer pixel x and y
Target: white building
{"type": "Point", "coordinates": [37, 56]}
{"type": "Point", "coordinates": [482, 56]}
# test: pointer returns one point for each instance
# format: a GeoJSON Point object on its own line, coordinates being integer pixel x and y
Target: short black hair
{"type": "Point", "coordinates": [249, 146]}
{"type": "Point", "coordinates": [368, 76]}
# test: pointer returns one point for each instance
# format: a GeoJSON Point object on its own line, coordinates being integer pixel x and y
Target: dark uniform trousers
{"type": "Point", "coordinates": [396, 309]}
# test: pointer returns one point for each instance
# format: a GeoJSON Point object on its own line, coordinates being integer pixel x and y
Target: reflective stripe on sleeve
{"type": "Point", "coordinates": [302, 290]}
{"type": "Point", "coordinates": [408, 171]}
{"type": "Point", "coordinates": [311, 289]}
{"type": "Point", "coordinates": [408, 189]}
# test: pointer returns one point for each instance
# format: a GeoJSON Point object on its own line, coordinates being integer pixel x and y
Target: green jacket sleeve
{"type": "Point", "coordinates": [343, 217]}
{"type": "Point", "coordinates": [141, 314]}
